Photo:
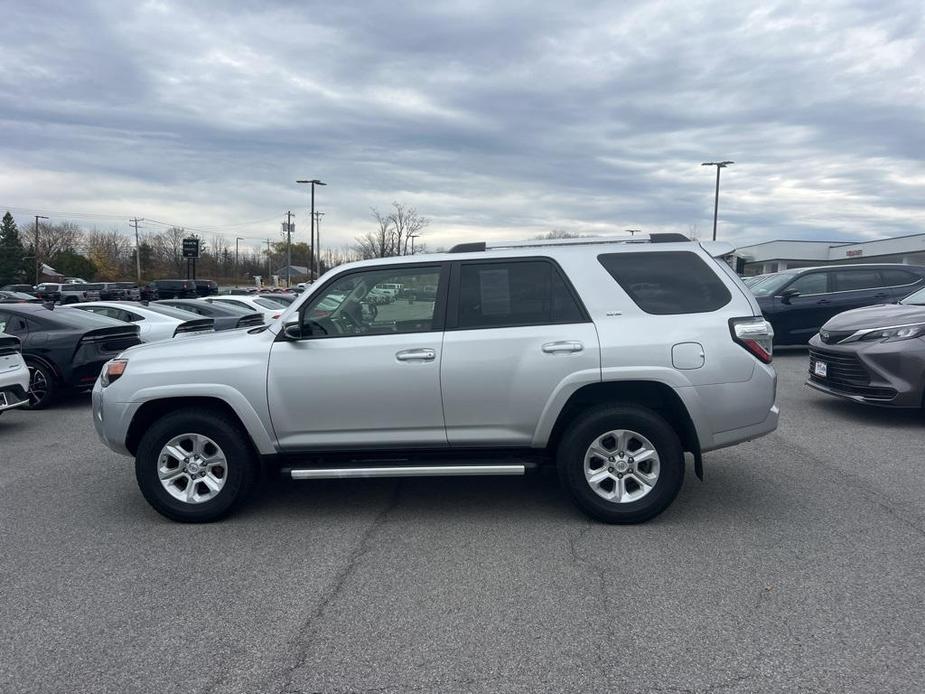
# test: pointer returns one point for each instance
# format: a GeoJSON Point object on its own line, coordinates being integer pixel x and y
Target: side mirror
{"type": "Point", "coordinates": [788, 294]}
{"type": "Point", "coordinates": [293, 330]}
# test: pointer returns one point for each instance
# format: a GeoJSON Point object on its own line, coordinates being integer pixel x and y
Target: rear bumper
{"type": "Point", "coordinates": [886, 374]}
{"type": "Point", "coordinates": [12, 396]}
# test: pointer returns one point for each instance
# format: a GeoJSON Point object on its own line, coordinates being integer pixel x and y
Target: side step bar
{"type": "Point", "coordinates": [320, 473]}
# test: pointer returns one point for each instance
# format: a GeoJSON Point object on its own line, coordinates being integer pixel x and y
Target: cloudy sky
{"type": "Point", "coordinates": [495, 119]}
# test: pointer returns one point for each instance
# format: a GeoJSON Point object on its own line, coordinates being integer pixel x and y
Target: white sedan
{"type": "Point", "coordinates": [270, 309]}
{"type": "Point", "coordinates": [14, 376]}
{"type": "Point", "coordinates": [161, 323]}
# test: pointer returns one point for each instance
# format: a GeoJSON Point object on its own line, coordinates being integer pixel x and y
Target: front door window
{"type": "Point", "coordinates": [377, 302]}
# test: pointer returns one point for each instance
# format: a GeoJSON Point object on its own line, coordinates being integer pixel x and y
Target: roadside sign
{"type": "Point", "coordinates": [191, 248]}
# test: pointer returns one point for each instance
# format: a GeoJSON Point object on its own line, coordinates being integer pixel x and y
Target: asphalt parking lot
{"type": "Point", "coordinates": [798, 565]}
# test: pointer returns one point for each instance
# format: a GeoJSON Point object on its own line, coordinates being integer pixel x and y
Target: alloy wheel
{"type": "Point", "coordinates": [38, 385]}
{"type": "Point", "coordinates": [192, 468]}
{"type": "Point", "coordinates": [621, 466]}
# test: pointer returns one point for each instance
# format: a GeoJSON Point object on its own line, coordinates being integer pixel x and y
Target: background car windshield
{"type": "Point", "coordinates": [769, 285]}
{"type": "Point", "coordinates": [915, 299]}
{"type": "Point", "coordinates": [267, 303]}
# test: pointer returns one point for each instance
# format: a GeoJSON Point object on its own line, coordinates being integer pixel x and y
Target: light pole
{"type": "Point", "coordinates": [318, 216]}
{"type": "Point", "coordinates": [38, 273]}
{"type": "Point", "coordinates": [719, 165]}
{"type": "Point", "coordinates": [311, 251]}
{"type": "Point", "coordinates": [236, 260]}
{"type": "Point", "coordinates": [633, 232]}
{"type": "Point", "coordinates": [413, 237]}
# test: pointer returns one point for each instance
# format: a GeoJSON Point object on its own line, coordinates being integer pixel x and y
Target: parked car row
{"type": "Point", "coordinates": [798, 302]}
{"type": "Point", "coordinates": [864, 323]}
{"type": "Point", "coordinates": [53, 340]}
{"type": "Point", "coordinates": [72, 292]}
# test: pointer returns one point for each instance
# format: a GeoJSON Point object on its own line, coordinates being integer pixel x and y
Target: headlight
{"type": "Point", "coordinates": [112, 371]}
{"type": "Point", "coordinates": [895, 334]}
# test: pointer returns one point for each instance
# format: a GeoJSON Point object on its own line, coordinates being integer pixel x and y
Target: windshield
{"type": "Point", "coordinates": [268, 303]}
{"type": "Point", "coordinates": [770, 284]}
{"type": "Point", "coordinates": [915, 298]}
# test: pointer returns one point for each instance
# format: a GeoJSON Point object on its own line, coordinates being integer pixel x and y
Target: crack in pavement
{"type": "Point", "coordinates": [856, 482]}
{"type": "Point", "coordinates": [306, 632]}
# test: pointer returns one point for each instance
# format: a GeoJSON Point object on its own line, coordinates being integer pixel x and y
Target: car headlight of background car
{"type": "Point", "coordinates": [893, 334]}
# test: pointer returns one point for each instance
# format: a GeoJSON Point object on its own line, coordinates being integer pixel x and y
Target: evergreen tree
{"type": "Point", "coordinates": [12, 252]}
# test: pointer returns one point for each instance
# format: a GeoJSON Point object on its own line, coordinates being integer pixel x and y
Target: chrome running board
{"type": "Point", "coordinates": [321, 473]}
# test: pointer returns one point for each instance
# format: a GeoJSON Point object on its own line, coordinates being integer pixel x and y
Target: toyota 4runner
{"type": "Point", "coordinates": [608, 358]}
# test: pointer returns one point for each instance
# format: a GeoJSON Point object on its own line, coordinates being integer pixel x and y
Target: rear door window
{"type": "Point", "coordinates": [514, 293]}
{"type": "Point", "coordinates": [667, 282]}
{"type": "Point", "coordinates": [848, 280]}
{"type": "Point", "coordinates": [897, 278]}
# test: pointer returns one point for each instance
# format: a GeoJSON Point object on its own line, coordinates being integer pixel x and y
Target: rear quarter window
{"type": "Point", "coordinates": [667, 282]}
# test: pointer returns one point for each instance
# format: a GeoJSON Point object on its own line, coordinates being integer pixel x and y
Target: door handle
{"type": "Point", "coordinates": [566, 346]}
{"type": "Point", "coordinates": [423, 354]}
{"type": "Point", "coordinates": [823, 301]}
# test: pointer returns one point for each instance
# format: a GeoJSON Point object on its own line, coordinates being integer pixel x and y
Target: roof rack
{"type": "Point", "coordinates": [475, 246]}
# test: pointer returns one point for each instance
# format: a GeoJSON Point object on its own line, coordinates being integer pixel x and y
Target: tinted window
{"type": "Point", "coordinates": [667, 282]}
{"type": "Point", "coordinates": [493, 295]}
{"type": "Point", "coordinates": [846, 280]}
{"type": "Point", "coordinates": [811, 283]}
{"type": "Point", "coordinates": [895, 278]}
{"type": "Point", "coordinates": [12, 325]}
{"type": "Point", "coordinates": [348, 306]}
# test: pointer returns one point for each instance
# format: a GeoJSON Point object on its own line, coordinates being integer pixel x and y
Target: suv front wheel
{"type": "Point", "coordinates": [621, 464]}
{"type": "Point", "coordinates": [194, 466]}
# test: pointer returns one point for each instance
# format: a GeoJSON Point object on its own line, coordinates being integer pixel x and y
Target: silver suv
{"type": "Point", "coordinates": [608, 358]}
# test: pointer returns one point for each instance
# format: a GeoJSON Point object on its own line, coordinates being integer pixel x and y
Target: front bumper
{"type": "Point", "coordinates": [887, 374]}
{"type": "Point", "coordinates": [111, 419]}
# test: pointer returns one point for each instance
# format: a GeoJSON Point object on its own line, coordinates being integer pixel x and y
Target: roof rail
{"type": "Point", "coordinates": [474, 246]}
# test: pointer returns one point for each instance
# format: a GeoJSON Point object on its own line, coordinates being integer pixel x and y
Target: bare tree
{"type": "Point", "coordinates": [557, 234]}
{"type": "Point", "coordinates": [393, 232]}
{"type": "Point", "coordinates": [406, 222]}
{"type": "Point", "coordinates": [379, 243]}
{"type": "Point", "coordinates": [54, 238]}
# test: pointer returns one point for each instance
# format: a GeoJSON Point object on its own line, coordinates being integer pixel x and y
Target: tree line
{"type": "Point", "coordinates": [109, 255]}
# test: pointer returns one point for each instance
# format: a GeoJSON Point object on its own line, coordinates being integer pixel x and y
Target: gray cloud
{"type": "Point", "coordinates": [495, 119]}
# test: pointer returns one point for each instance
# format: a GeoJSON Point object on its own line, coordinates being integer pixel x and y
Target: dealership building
{"type": "Point", "coordinates": [774, 256]}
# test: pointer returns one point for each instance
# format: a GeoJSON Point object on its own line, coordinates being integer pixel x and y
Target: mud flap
{"type": "Point", "coordinates": [698, 465]}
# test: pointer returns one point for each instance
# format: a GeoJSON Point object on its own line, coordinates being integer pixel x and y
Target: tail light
{"type": "Point", "coordinates": [755, 334]}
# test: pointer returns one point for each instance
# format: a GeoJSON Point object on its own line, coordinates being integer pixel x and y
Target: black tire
{"type": "Point", "coordinates": [242, 465]}
{"type": "Point", "coordinates": [595, 423]}
{"type": "Point", "coordinates": [43, 386]}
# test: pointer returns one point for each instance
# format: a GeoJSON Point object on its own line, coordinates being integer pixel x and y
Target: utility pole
{"type": "Point", "coordinates": [38, 267]}
{"type": "Point", "coordinates": [134, 222]}
{"type": "Point", "coordinates": [318, 216]}
{"type": "Point", "coordinates": [311, 251]}
{"type": "Point", "coordinates": [237, 238]}
{"type": "Point", "coordinates": [289, 250]}
{"type": "Point", "coordinates": [719, 165]}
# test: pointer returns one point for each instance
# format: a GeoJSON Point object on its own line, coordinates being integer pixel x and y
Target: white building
{"type": "Point", "coordinates": [774, 256]}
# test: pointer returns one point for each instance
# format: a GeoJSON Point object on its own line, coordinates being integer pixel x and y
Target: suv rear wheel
{"type": "Point", "coordinates": [621, 464]}
{"type": "Point", "coordinates": [195, 466]}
